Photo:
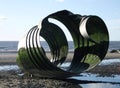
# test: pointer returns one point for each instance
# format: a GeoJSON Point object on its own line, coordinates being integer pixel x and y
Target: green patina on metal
{"type": "Point", "coordinates": [90, 38]}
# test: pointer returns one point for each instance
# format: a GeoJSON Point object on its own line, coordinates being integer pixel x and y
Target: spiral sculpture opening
{"type": "Point", "coordinates": [90, 38]}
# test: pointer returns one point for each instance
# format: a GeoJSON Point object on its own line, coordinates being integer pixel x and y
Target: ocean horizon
{"type": "Point", "coordinates": [11, 46]}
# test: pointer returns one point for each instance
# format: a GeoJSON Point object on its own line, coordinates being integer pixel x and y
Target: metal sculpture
{"type": "Point", "coordinates": [90, 38]}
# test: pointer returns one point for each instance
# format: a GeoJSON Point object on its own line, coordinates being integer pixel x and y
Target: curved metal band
{"type": "Point", "coordinates": [90, 37]}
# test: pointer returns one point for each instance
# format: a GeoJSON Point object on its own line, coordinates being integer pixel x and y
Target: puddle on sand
{"type": "Point", "coordinates": [8, 67]}
{"type": "Point", "coordinates": [99, 85]}
{"type": "Point", "coordinates": [107, 82]}
{"type": "Point", "coordinates": [95, 77]}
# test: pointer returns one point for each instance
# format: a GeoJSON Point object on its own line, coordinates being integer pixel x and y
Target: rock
{"type": "Point", "coordinates": [115, 51]}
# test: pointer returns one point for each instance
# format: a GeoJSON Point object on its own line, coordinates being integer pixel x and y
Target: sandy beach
{"type": "Point", "coordinates": [13, 78]}
{"type": "Point", "coordinates": [10, 58]}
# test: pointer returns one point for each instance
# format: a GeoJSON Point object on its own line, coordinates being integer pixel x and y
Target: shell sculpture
{"type": "Point", "coordinates": [90, 38]}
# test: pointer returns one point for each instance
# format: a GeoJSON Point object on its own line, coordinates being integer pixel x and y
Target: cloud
{"type": "Point", "coordinates": [2, 18]}
{"type": "Point", "coordinates": [60, 0]}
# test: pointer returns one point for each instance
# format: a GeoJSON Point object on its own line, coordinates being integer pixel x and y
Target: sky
{"type": "Point", "coordinates": [18, 16]}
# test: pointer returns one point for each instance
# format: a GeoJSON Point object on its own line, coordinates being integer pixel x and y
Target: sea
{"type": "Point", "coordinates": [12, 46]}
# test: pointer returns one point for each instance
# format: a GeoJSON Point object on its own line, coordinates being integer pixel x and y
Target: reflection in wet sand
{"type": "Point", "coordinates": [100, 85]}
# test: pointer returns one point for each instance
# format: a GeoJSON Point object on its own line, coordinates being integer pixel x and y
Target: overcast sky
{"type": "Point", "coordinates": [18, 16]}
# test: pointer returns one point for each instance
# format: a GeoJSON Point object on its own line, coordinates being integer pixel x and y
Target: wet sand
{"type": "Point", "coordinates": [10, 58]}
{"type": "Point", "coordinates": [13, 78]}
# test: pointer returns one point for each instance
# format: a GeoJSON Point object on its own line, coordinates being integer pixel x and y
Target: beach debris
{"type": "Point", "coordinates": [90, 38]}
